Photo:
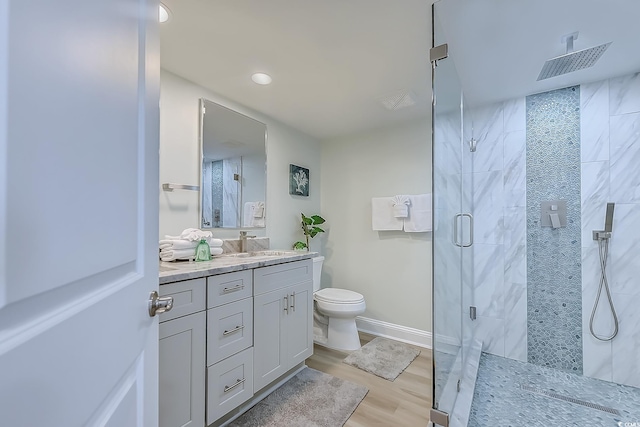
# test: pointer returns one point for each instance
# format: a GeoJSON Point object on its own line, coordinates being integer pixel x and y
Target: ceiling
{"type": "Point", "coordinates": [500, 46]}
{"type": "Point", "coordinates": [332, 61]}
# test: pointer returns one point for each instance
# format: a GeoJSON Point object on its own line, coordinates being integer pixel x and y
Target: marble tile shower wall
{"type": "Point", "coordinates": [610, 155]}
{"type": "Point", "coordinates": [498, 282]}
{"type": "Point", "coordinates": [496, 172]}
{"type": "Point", "coordinates": [610, 142]}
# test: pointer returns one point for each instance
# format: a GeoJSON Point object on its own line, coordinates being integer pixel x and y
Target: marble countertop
{"type": "Point", "coordinates": [184, 270]}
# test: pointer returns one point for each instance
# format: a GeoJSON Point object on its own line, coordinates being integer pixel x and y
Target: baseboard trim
{"type": "Point", "coordinates": [396, 332]}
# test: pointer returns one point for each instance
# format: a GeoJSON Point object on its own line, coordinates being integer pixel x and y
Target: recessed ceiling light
{"type": "Point", "coordinates": [261, 78]}
{"type": "Point", "coordinates": [163, 15]}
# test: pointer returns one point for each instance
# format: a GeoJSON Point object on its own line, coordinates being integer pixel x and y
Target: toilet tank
{"type": "Point", "coordinates": [317, 272]}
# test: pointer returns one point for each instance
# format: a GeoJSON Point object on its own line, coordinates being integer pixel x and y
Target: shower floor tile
{"type": "Point", "coordinates": [499, 401]}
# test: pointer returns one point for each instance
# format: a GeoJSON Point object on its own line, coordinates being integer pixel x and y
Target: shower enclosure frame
{"type": "Point", "coordinates": [451, 254]}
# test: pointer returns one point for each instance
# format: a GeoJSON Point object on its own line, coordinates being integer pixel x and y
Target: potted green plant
{"type": "Point", "coordinates": [309, 225]}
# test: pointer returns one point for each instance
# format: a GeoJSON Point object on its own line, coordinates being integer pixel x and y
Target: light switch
{"type": "Point", "coordinates": [555, 220]}
{"type": "Point", "coordinates": [554, 207]}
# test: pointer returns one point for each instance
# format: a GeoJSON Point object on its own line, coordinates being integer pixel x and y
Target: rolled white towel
{"type": "Point", "coordinates": [188, 244]}
{"type": "Point", "coordinates": [192, 234]}
{"type": "Point", "coordinates": [172, 255]}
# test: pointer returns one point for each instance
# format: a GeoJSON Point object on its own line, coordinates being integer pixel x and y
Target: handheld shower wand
{"type": "Point", "coordinates": [602, 237]}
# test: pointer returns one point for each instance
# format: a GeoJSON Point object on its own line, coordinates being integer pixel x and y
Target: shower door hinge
{"type": "Point", "coordinates": [439, 418]}
{"type": "Point", "coordinates": [472, 312]}
{"type": "Point", "coordinates": [439, 52]}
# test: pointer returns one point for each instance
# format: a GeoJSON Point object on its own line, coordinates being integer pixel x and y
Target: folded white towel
{"type": "Point", "coordinates": [253, 214]}
{"type": "Point", "coordinates": [400, 206]}
{"type": "Point", "coordinates": [247, 213]}
{"type": "Point", "coordinates": [382, 214]}
{"type": "Point", "coordinates": [258, 210]}
{"type": "Point", "coordinates": [174, 254]}
{"type": "Point", "coordinates": [420, 214]}
{"type": "Point", "coordinates": [188, 244]}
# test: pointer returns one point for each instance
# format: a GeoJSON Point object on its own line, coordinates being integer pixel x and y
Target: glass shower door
{"type": "Point", "coordinates": [452, 235]}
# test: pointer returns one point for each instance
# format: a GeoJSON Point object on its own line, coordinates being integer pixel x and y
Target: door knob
{"type": "Point", "coordinates": [158, 304]}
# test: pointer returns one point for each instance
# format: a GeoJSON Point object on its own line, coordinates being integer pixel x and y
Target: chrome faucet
{"type": "Point", "coordinates": [243, 241]}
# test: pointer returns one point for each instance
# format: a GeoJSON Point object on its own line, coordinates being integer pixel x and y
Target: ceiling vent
{"type": "Point", "coordinates": [399, 100]}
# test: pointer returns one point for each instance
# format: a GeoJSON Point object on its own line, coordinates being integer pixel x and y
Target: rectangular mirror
{"type": "Point", "coordinates": [234, 179]}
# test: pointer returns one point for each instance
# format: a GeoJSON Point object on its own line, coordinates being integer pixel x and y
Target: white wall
{"type": "Point", "coordinates": [180, 158]}
{"type": "Point", "coordinates": [391, 269]}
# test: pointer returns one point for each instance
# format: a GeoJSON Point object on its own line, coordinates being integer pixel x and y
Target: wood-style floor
{"type": "Point", "coordinates": [404, 402]}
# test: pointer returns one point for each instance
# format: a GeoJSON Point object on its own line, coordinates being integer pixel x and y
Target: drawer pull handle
{"type": "Point", "coordinates": [236, 329]}
{"type": "Point", "coordinates": [231, 387]}
{"type": "Point", "coordinates": [293, 301]}
{"type": "Point", "coordinates": [235, 288]}
{"type": "Point", "coordinates": [286, 304]}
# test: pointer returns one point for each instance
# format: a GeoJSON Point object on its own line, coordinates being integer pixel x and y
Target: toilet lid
{"type": "Point", "coordinates": [338, 296]}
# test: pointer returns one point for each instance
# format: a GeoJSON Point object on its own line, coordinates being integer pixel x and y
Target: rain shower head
{"type": "Point", "coordinates": [572, 61]}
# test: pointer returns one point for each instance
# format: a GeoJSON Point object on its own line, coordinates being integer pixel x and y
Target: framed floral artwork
{"type": "Point", "coordinates": [298, 181]}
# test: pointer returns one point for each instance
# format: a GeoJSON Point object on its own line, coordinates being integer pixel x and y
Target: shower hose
{"type": "Point", "coordinates": [603, 249]}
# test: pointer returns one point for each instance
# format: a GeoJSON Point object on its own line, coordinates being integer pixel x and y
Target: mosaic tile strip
{"type": "Point", "coordinates": [499, 401]}
{"type": "Point", "coordinates": [554, 288]}
{"type": "Point", "coordinates": [216, 189]}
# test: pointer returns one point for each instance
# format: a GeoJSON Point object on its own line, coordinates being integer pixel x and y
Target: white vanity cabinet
{"type": "Point", "coordinates": [182, 355]}
{"type": "Point", "coordinates": [283, 309]}
{"type": "Point", "coordinates": [231, 339]}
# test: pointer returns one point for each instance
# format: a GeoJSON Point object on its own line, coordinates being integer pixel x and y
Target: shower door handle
{"type": "Point", "coordinates": [455, 230]}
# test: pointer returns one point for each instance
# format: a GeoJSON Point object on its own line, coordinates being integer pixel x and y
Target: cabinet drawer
{"type": "Point", "coordinates": [229, 329]}
{"type": "Point", "coordinates": [188, 297]}
{"type": "Point", "coordinates": [226, 288]}
{"type": "Point", "coordinates": [229, 384]}
{"type": "Point", "coordinates": [267, 279]}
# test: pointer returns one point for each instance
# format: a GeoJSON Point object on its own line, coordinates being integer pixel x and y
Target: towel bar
{"type": "Point", "coordinates": [171, 187]}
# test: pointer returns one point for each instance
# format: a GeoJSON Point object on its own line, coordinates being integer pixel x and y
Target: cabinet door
{"type": "Point", "coordinates": [299, 324]}
{"type": "Point", "coordinates": [182, 371]}
{"type": "Point", "coordinates": [270, 359]}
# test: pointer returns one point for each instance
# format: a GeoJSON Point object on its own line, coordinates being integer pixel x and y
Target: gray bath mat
{"type": "Point", "coordinates": [310, 399]}
{"type": "Point", "coordinates": [382, 357]}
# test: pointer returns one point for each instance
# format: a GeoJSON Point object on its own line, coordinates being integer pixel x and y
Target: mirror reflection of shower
{"type": "Point", "coordinates": [602, 237]}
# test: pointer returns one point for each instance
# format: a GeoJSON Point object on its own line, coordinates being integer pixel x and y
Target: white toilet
{"type": "Point", "coordinates": [334, 313]}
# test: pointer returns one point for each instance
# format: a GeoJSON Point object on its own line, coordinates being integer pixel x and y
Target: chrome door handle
{"type": "Point", "coordinates": [158, 304]}
{"type": "Point", "coordinates": [470, 230]}
{"type": "Point", "coordinates": [293, 301]}
{"type": "Point", "coordinates": [286, 304]}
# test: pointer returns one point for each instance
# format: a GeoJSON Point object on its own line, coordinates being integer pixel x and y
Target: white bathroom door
{"type": "Point", "coordinates": [79, 88]}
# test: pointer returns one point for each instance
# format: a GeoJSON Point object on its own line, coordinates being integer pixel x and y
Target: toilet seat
{"type": "Point", "coordinates": [338, 296]}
